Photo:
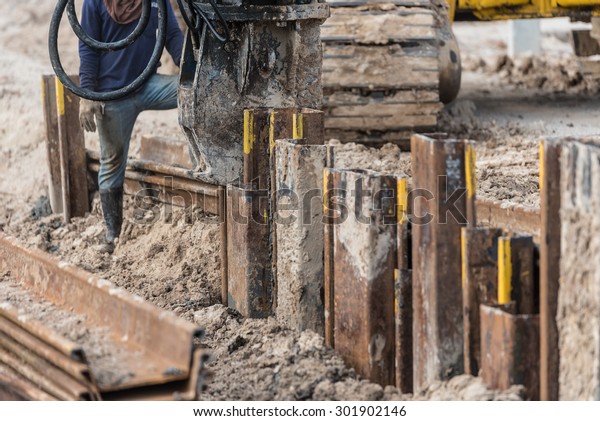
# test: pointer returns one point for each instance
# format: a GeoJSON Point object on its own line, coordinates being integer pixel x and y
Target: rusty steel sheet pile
{"type": "Point", "coordinates": [364, 261]}
{"type": "Point", "coordinates": [299, 235]}
{"type": "Point", "coordinates": [404, 300]}
{"type": "Point", "coordinates": [67, 184]}
{"type": "Point", "coordinates": [440, 178]}
{"type": "Point", "coordinates": [575, 293]}
{"type": "Point", "coordinates": [479, 276]}
{"type": "Point", "coordinates": [514, 218]}
{"type": "Point", "coordinates": [252, 238]}
{"type": "Point", "coordinates": [403, 307]}
{"type": "Point", "coordinates": [475, 289]}
{"type": "Point", "coordinates": [146, 352]}
{"type": "Point", "coordinates": [550, 244]}
{"type": "Point", "coordinates": [510, 349]}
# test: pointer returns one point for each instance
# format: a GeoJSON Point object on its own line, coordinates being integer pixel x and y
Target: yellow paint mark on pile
{"type": "Point", "coordinates": [402, 188]}
{"type": "Point", "coordinates": [504, 270]}
{"type": "Point", "coordinates": [248, 131]}
{"type": "Point", "coordinates": [43, 93]}
{"type": "Point", "coordinates": [60, 97]}
{"type": "Point", "coordinates": [470, 173]}
{"type": "Point", "coordinates": [325, 189]}
{"type": "Point", "coordinates": [298, 126]}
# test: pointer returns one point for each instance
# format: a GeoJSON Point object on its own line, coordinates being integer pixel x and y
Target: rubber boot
{"type": "Point", "coordinates": [112, 209]}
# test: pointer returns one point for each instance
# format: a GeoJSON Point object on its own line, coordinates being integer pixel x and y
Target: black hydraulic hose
{"type": "Point", "coordinates": [190, 21]}
{"type": "Point", "coordinates": [161, 39]}
{"type": "Point", "coordinates": [193, 22]}
{"type": "Point", "coordinates": [109, 46]}
{"type": "Point", "coordinates": [222, 19]}
{"type": "Point", "coordinates": [210, 25]}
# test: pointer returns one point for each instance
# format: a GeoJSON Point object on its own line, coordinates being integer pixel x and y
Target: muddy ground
{"type": "Point", "coordinates": [175, 264]}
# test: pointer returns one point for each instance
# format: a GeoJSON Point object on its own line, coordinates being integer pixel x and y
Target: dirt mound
{"type": "Point", "coordinates": [172, 262]}
{"type": "Point", "coordinates": [554, 74]}
{"type": "Point", "coordinates": [508, 170]}
{"type": "Point", "coordinates": [261, 360]}
{"type": "Point", "coordinates": [458, 119]}
{"type": "Point", "coordinates": [507, 166]}
{"type": "Point", "coordinates": [388, 159]}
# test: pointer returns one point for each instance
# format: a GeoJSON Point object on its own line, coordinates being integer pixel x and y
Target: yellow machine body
{"type": "Point", "coordinates": [523, 9]}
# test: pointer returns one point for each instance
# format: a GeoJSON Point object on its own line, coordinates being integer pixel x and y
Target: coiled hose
{"type": "Point", "coordinates": [190, 16]}
{"type": "Point", "coordinates": [161, 39]}
{"type": "Point", "coordinates": [109, 46]}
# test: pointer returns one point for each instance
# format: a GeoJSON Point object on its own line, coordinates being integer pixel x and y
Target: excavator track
{"type": "Point", "coordinates": [380, 70]}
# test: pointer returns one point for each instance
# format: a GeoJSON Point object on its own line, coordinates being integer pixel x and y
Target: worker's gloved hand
{"type": "Point", "coordinates": [87, 111]}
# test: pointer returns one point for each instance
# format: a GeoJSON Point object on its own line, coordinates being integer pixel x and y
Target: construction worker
{"type": "Point", "coordinates": [110, 21]}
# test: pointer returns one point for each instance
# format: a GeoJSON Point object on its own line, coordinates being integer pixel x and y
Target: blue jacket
{"type": "Point", "coordinates": [113, 70]}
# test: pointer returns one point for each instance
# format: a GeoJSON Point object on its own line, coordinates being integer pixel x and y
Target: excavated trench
{"type": "Point", "coordinates": [174, 263]}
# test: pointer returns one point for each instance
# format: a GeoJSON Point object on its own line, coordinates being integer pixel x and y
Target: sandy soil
{"type": "Point", "coordinates": [508, 105]}
{"type": "Point", "coordinates": [175, 264]}
{"type": "Point", "coordinates": [261, 360]}
{"type": "Point", "coordinates": [507, 168]}
{"type": "Point", "coordinates": [171, 260]}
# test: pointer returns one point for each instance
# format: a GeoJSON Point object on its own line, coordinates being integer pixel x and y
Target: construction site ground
{"type": "Point", "coordinates": [505, 106]}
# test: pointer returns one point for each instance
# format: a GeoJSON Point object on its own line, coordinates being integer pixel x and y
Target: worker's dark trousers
{"type": "Point", "coordinates": [116, 125]}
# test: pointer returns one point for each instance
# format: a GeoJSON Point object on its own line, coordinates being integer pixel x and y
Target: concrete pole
{"type": "Point", "coordinates": [524, 37]}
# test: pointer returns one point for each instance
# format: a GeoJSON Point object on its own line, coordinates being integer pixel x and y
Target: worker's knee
{"type": "Point", "coordinates": [160, 93]}
{"type": "Point", "coordinates": [111, 156]}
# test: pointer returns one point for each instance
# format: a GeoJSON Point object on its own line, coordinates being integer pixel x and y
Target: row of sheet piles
{"type": "Point", "coordinates": [394, 272]}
